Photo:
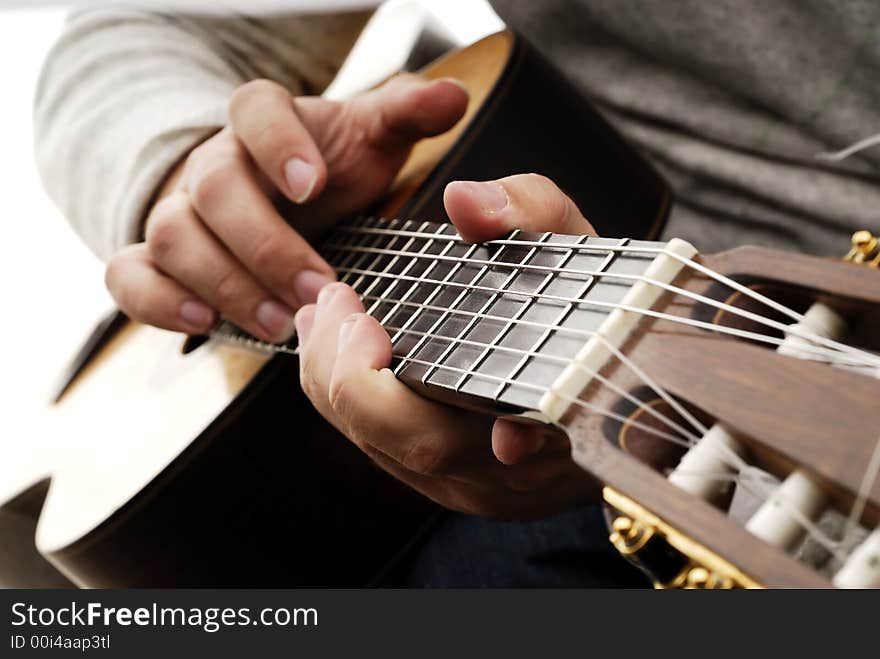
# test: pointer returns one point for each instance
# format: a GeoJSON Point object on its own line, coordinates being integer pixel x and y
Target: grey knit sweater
{"type": "Point", "coordinates": [732, 100]}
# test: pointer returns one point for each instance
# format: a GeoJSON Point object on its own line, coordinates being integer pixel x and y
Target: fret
{"type": "Point", "coordinates": [502, 290]}
{"type": "Point", "coordinates": [387, 317]}
{"type": "Point", "coordinates": [341, 258]}
{"type": "Point", "coordinates": [557, 322]}
{"type": "Point", "coordinates": [408, 310]}
{"type": "Point", "coordinates": [383, 263]}
{"type": "Point", "coordinates": [507, 286]}
{"type": "Point", "coordinates": [496, 395]}
{"type": "Point", "coordinates": [423, 347]}
{"type": "Point", "coordinates": [399, 264]}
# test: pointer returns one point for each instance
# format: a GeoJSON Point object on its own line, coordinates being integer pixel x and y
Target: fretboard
{"type": "Point", "coordinates": [489, 325]}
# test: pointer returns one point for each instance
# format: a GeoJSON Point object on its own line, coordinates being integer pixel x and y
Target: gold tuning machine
{"type": "Point", "coordinates": [865, 249]}
{"type": "Point", "coordinates": [668, 557]}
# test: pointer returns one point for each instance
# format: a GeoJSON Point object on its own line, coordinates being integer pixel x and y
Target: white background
{"type": "Point", "coordinates": [52, 287]}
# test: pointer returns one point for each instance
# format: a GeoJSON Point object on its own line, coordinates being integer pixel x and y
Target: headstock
{"type": "Point", "coordinates": [763, 393]}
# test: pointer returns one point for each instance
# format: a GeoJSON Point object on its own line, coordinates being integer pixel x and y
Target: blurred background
{"type": "Point", "coordinates": [52, 286]}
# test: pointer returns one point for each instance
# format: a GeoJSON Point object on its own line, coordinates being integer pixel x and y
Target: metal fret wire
{"type": "Point", "coordinates": [491, 301]}
{"type": "Point", "coordinates": [358, 261]}
{"type": "Point", "coordinates": [557, 323]}
{"type": "Point", "coordinates": [413, 288]}
{"type": "Point", "coordinates": [743, 313]}
{"type": "Point", "coordinates": [444, 317]}
{"type": "Point", "coordinates": [431, 296]}
{"type": "Point", "coordinates": [562, 360]}
{"type": "Point", "coordinates": [397, 257]}
{"type": "Point", "coordinates": [727, 281]}
{"type": "Point", "coordinates": [515, 271]}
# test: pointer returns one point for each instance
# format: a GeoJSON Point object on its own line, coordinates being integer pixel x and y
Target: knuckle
{"type": "Point", "coordinates": [255, 94]}
{"type": "Point", "coordinates": [254, 89]}
{"type": "Point", "coordinates": [227, 290]}
{"type": "Point", "coordinates": [267, 254]}
{"type": "Point", "coordinates": [212, 184]}
{"type": "Point", "coordinates": [553, 199]}
{"type": "Point", "coordinates": [426, 456]}
{"type": "Point", "coordinates": [163, 227]}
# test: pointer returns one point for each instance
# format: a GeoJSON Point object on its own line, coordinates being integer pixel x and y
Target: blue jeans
{"type": "Point", "coordinates": [568, 550]}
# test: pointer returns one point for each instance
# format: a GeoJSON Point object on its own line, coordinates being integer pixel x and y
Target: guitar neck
{"type": "Point", "coordinates": [488, 326]}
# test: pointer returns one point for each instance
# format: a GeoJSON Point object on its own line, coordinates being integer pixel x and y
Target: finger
{"type": "Point", "coordinates": [223, 189]}
{"type": "Point", "coordinates": [183, 248]}
{"type": "Point", "coordinates": [148, 296]}
{"type": "Point", "coordinates": [531, 202]}
{"type": "Point", "coordinates": [408, 108]}
{"type": "Point", "coordinates": [263, 116]}
{"type": "Point", "coordinates": [318, 327]}
{"type": "Point", "coordinates": [514, 443]}
{"type": "Point", "coordinates": [380, 413]}
{"type": "Point", "coordinates": [366, 140]}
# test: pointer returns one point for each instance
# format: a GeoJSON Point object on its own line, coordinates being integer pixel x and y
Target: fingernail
{"type": "Point", "coordinates": [325, 295]}
{"type": "Point", "coordinates": [490, 196]}
{"type": "Point", "coordinates": [454, 81]}
{"type": "Point", "coordinates": [304, 321]}
{"type": "Point", "coordinates": [307, 284]}
{"type": "Point", "coordinates": [276, 319]}
{"type": "Point", "coordinates": [345, 333]}
{"type": "Point", "coordinates": [301, 178]}
{"type": "Point", "coordinates": [197, 314]}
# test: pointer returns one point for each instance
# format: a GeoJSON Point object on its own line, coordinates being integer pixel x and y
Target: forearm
{"type": "Point", "coordinates": [126, 94]}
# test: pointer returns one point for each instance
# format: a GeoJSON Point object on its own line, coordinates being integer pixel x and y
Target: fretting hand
{"type": "Point", "coordinates": [445, 453]}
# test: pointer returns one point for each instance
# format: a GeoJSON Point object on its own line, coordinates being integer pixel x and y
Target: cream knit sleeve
{"type": "Point", "coordinates": [125, 94]}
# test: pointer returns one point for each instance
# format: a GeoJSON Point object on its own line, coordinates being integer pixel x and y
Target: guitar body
{"type": "Point", "coordinates": [212, 468]}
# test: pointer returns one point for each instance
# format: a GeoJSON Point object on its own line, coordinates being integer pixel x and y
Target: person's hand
{"type": "Point", "coordinates": [215, 242]}
{"type": "Point", "coordinates": [443, 452]}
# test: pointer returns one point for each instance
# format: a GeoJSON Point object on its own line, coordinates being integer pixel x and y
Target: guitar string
{"type": "Point", "coordinates": [687, 261]}
{"type": "Point", "coordinates": [599, 274]}
{"type": "Point", "coordinates": [586, 247]}
{"type": "Point", "coordinates": [872, 471]}
{"type": "Point", "coordinates": [742, 333]}
{"type": "Point", "coordinates": [817, 351]}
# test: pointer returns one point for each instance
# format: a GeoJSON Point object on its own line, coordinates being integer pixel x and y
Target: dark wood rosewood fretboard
{"type": "Point", "coordinates": [486, 325]}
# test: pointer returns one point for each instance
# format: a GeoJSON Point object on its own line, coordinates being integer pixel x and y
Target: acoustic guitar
{"type": "Point", "coordinates": [211, 468]}
{"type": "Point", "coordinates": [684, 382]}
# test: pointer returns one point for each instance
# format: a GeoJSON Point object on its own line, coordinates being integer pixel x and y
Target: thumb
{"type": "Point", "coordinates": [408, 108]}
{"type": "Point", "coordinates": [365, 141]}
{"type": "Point", "coordinates": [485, 210]}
